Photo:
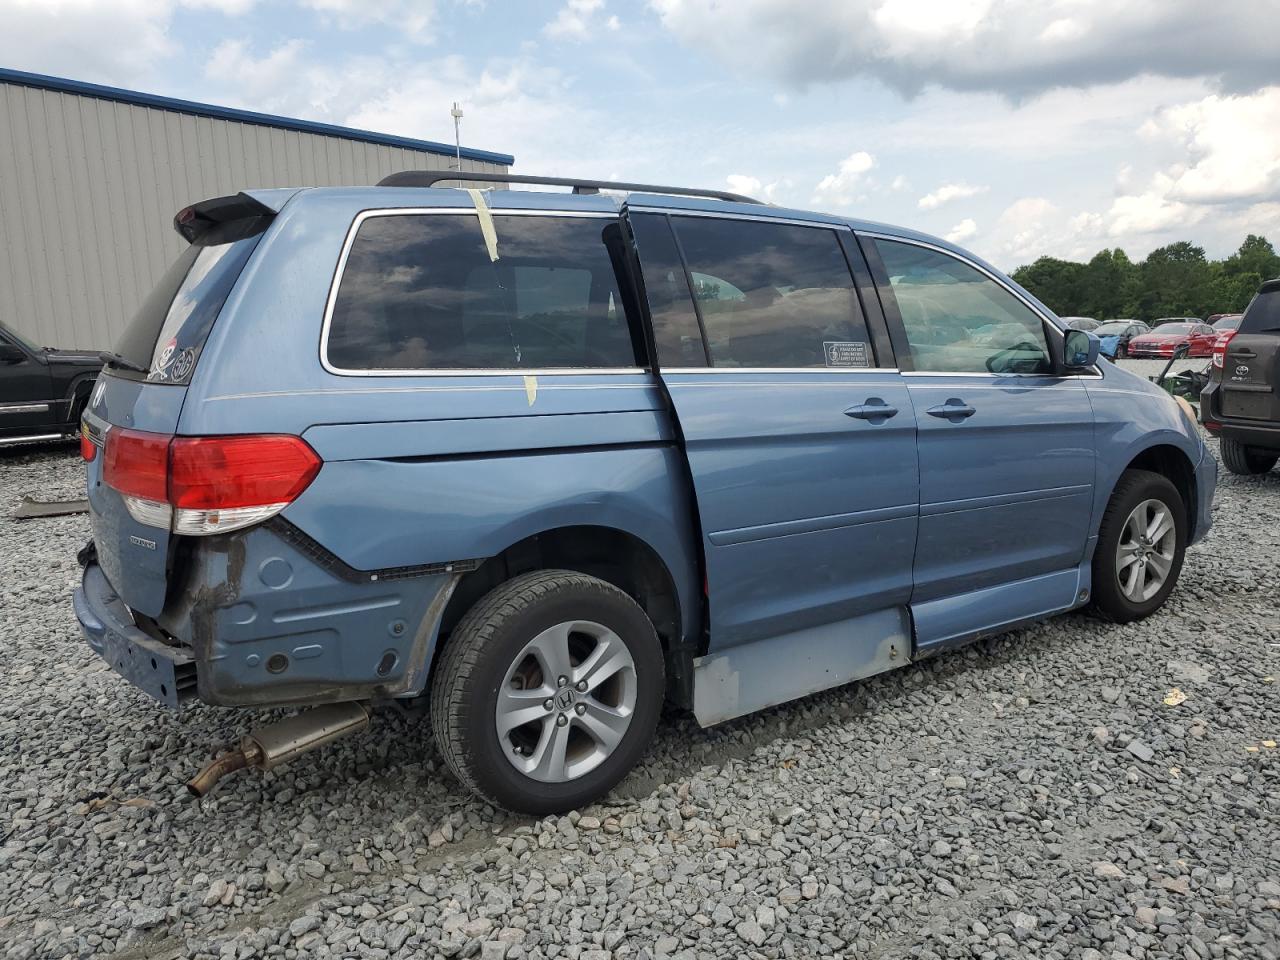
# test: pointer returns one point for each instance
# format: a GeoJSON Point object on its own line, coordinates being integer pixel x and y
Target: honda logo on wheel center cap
{"type": "Point", "coordinates": [565, 698]}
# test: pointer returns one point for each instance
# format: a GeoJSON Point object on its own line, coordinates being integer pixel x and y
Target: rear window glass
{"type": "Point", "coordinates": [1263, 313]}
{"type": "Point", "coordinates": [421, 292]}
{"type": "Point", "coordinates": [169, 330]}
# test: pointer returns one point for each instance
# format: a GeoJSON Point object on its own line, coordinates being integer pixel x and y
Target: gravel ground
{"type": "Point", "coordinates": [1031, 796]}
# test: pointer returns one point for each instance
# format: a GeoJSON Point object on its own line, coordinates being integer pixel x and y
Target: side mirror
{"type": "Point", "coordinates": [11, 353]}
{"type": "Point", "coordinates": [1079, 349]}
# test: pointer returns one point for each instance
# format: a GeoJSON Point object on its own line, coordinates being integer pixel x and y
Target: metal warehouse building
{"type": "Point", "coordinates": [91, 176]}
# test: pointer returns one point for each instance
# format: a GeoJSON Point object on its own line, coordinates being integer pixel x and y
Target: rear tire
{"type": "Point", "coordinates": [1246, 461]}
{"type": "Point", "coordinates": [1141, 543]}
{"type": "Point", "coordinates": [538, 639]}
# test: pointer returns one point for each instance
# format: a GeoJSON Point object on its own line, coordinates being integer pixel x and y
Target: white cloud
{"type": "Point", "coordinates": [842, 188]}
{"type": "Point", "coordinates": [948, 192]}
{"type": "Point", "coordinates": [412, 19]}
{"type": "Point", "coordinates": [86, 39]}
{"type": "Point", "coordinates": [962, 231]}
{"type": "Point", "coordinates": [1232, 144]}
{"type": "Point", "coordinates": [755, 187]}
{"type": "Point", "coordinates": [1151, 211]}
{"type": "Point", "coordinates": [232, 8]}
{"type": "Point", "coordinates": [577, 20]}
{"type": "Point", "coordinates": [1007, 46]}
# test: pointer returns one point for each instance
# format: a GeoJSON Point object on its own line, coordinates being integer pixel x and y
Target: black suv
{"type": "Point", "coordinates": [42, 391]}
{"type": "Point", "coordinates": [1241, 404]}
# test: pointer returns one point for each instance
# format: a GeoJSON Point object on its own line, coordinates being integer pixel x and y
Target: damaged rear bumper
{"type": "Point", "coordinates": [163, 672]}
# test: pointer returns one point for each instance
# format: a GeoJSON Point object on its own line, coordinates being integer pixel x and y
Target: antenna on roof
{"type": "Point", "coordinates": [456, 113]}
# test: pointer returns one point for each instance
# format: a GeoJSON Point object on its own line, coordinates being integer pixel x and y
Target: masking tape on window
{"type": "Point", "coordinates": [486, 223]}
{"type": "Point", "coordinates": [531, 389]}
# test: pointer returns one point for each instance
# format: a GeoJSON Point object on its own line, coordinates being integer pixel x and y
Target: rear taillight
{"type": "Point", "coordinates": [202, 485]}
{"type": "Point", "coordinates": [88, 449]}
{"type": "Point", "coordinates": [1220, 348]}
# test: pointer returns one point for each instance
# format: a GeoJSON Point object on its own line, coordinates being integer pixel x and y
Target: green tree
{"type": "Point", "coordinates": [1110, 282]}
{"type": "Point", "coordinates": [1059, 284]}
{"type": "Point", "coordinates": [1257, 256]}
{"type": "Point", "coordinates": [1173, 281]}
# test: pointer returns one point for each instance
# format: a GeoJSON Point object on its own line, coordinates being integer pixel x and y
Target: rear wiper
{"type": "Point", "coordinates": [124, 363]}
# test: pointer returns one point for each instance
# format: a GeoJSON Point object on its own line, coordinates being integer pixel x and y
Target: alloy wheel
{"type": "Point", "coordinates": [1145, 554]}
{"type": "Point", "coordinates": [566, 701]}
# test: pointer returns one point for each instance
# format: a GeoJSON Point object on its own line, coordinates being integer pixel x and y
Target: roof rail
{"type": "Point", "coordinates": [429, 178]}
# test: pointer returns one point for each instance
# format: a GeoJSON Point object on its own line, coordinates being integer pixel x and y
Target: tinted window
{"type": "Point", "coordinates": [420, 292]}
{"type": "Point", "coordinates": [1166, 328]}
{"type": "Point", "coordinates": [675, 324]}
{"type": "Point", "coordinates": [958, 319]}
{"type": "Point", "coordinates": [169, 330]}
{"type": "Point", "coordinates": [773, 295]}
{"type": "Point", "coordinates": [1263, 313]}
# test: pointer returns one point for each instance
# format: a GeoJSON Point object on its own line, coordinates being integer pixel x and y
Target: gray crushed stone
{"type": "Point", "coordinates": [1030, 796]}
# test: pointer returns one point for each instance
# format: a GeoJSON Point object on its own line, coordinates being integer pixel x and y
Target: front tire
{"type": "Point", "coordinates": [548, 692]}
{"type": "Point", "coordinates": [1141, 543]}
{"type": "Point", "coordinates": [1246, 461]}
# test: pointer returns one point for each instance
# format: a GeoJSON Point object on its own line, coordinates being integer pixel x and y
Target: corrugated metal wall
{"type": "Point", "coordinates": [89, 187]}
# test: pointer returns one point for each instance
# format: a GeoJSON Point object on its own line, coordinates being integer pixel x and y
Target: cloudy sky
{"type": "Point", "coordinates": [1015, 127]}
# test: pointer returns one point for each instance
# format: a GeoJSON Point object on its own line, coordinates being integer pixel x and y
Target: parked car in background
{"type": "Point", "coordinates": [537, 461]}
{"type": "Point", "coordinates": [42, 391]}
{"type": "Point", "coordinates": [1079, 323]}
{"type": "Point", "coordinates": [1241, 404]}
{"type": "Point", "coordinates": [1114, 336]}
{"type": "Point", "coordinates": [1226, 322]}
{"type": "Point", "coordinates": [1161, 342]}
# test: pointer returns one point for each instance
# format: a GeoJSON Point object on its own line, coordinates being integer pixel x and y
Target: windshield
{"type": "Point", "coordinates": [1175, 328]}
{"type": "Point", "coordinates": [1112, 327]}
{"type": "Point", "coordinates": [17, 338]}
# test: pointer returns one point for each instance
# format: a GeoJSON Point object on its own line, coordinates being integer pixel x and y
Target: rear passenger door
{"type": "Point", "coordinates": [799, 435]}
{"type": "Point", "coordinates": [1006, 445]}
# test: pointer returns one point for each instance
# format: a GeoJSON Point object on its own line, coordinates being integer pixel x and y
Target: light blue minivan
{"type": "Point", "coordinates": [539, 460]}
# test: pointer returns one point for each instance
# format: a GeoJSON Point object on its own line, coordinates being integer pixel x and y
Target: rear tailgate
{"type": "Point", "coordinates": [140, 394]}
{"type": "Point", "coordinates": [1251, 367]}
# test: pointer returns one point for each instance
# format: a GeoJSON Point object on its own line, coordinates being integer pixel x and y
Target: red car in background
{"type": "Point", "coordinates": [1166, 338]}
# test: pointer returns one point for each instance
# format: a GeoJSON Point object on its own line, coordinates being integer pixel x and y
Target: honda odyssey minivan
{"type": "Point", "coordinates": [539, 461]}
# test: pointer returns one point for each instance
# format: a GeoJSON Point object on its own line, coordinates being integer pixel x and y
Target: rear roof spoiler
{"type": "Point", "coordinates": [1270, 286]}
{"type": "Point", "coordinates": [201, 221]}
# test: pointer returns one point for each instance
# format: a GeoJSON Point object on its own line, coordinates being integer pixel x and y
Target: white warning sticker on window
{"type": "Point", "coordinates": [853, 353]}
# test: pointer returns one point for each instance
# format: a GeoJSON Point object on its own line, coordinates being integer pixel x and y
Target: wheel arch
{"type": "Point", "coordinates": [614, 555]}
{"type": "Point", "coordinates": [1171, 461]}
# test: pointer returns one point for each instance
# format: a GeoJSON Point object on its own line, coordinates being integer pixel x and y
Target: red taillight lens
{"type": "Point", "coordinates": [137, 463]}
{"type": "Point", "coordinates": [1220, 348]}
{"type": "Point", "coordinates": [221, 473]}
{"type": "Point", "coordinates": [202, 485]}
{"type": "Point", "coordinates": [88, 449]}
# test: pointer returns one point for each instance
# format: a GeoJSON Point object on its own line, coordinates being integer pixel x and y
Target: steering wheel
{"type": "Point", "coordinates": [1012, 358]}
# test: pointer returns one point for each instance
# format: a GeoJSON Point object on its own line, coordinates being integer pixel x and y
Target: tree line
{"type": "Point", "coordinates": [1173, 281]}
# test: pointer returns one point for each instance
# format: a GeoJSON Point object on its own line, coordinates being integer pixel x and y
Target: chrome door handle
{"type": "Point", "coordinates": [953, 410]}
{"type": "Point", "coordinates": [875, 410]}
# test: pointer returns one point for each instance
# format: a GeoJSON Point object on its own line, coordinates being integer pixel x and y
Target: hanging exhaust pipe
{"type": "Point", "coordinates": [281, 742]}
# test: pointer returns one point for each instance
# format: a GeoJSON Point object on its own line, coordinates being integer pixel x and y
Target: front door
{"type": "Point", "coordinates": [25, 404]}
{"type": "Point", "coordinates": [800, 445]}
{"type": "Point", "coordinates": [1006, 446]}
